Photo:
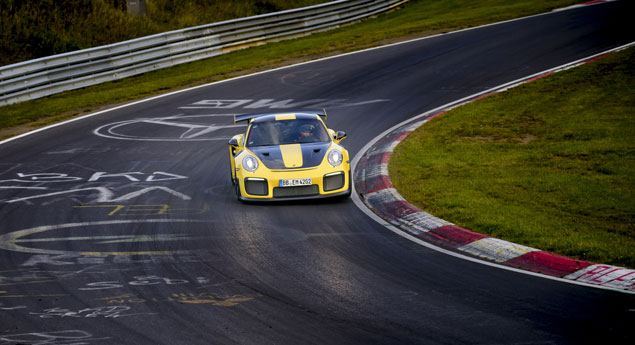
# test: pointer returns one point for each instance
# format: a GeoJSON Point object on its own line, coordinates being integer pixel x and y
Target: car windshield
{"type": "Point", "coordinates": [287, 132]}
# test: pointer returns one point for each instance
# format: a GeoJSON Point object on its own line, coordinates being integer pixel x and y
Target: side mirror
{"type": "Point", "coordinates": [340, 135]}
{"type": "Point", "coordinates": [235, 144]}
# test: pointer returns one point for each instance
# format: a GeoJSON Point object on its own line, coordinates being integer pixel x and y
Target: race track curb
{"type": "Point", "coordinates": [374, 188]}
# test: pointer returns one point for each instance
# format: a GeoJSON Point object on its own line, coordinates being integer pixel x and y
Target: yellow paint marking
{"type": "Point", "coordinates": [281, 117]}
{"type": "Point", "coordinates": [147, 209]}
{"type": "Point", "coordinates": [122, 299]}
{"type": "Point", "coordinates": [184, 298]}
{"type": "Point", "coordinates": [136, 210]}
{"type": "Point", "coordinates": [115, 208]}
{"type": "Point", "coordinates": [291, 155]}
{"type": "Point", "coordinates": [205, 298]}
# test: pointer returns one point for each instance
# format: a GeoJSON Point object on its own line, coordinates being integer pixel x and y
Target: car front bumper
{"type": "Point", "coordinates": [266, 187]}
{"type": "Point", "coordinates": [309, 197]}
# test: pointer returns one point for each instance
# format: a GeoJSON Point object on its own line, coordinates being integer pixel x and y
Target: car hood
{"type": "Point", "coordinates": [291, 156]}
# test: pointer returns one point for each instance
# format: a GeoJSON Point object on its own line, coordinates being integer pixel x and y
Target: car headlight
{"type": "Point", "coordinates": [335, 157]}
{"type": "Point", "coordinates": [250, 163]}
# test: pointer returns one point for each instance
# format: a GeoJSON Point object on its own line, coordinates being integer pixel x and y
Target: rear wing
{"type": "Point", "coordinates": [248, 117]}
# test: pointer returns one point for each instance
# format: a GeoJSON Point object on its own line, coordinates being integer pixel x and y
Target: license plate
{"type": "Point", "coordinates": [295, 182]}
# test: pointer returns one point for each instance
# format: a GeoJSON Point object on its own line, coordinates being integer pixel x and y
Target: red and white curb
{"type": "Point", "coordinates": [583, 4]}
{"type": "Point", "coordinates": [374, 191]}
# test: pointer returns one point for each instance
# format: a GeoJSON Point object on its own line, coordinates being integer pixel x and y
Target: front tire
{"type": "Point", "coordinates": [348, 193]}
{"type": "Point", "coordinates": [237, 191]}
{"type": "Point", "coordinates": [350, 188]}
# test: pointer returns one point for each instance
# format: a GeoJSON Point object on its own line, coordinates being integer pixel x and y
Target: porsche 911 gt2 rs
{"type": "Point", "coordinates": [284, 156]}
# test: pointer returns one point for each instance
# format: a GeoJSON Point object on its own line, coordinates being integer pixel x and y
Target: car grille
{"type": "Point", "coordinates": [333, 182]}
{"type": "Point", "coordinates": [288, 192]}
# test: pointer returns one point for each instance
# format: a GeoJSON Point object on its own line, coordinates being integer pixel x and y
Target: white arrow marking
{"type": "Point", "coordinates": [153, 178]}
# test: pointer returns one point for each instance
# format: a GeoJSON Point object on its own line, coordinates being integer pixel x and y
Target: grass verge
{"type": "Point", "coordinates": [32, 29]}
{"type": "Point", "coordinates": [417, 18]}
{"type": "Point", "coordinates": [550, 164]}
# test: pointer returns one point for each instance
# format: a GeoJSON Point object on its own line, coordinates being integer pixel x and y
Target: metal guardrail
{"type": "Point", "coordinates": [58, 73]}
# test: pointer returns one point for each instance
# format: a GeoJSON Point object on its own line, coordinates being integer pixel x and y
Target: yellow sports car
{"type": "Point", "coordinates": [288, 156]}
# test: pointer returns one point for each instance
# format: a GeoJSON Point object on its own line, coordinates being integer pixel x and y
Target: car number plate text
{"type": "Point", "coordinates": [295, 182]}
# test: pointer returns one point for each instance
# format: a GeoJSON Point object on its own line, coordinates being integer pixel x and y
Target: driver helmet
{"type": "Point", "coordinates": [306, 130]}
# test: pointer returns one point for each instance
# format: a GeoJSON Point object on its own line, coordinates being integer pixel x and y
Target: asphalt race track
{"type": "Point", "coordinates": [122, 228]}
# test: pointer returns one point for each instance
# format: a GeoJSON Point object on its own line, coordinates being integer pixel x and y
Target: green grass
{"type": "Point", "coordinates": [417, 18]}
{"type": "Point", "coordinates": [32, 29]}
{"type": "Point", "coordinates": [550, 164]}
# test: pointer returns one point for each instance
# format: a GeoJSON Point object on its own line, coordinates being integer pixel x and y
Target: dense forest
{"type": "Point", "coordinates": [34, 28]}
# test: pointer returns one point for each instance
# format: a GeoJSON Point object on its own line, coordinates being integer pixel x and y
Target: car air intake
{"type": "Point", "coordinates": [333, 182]}
{"type": "Point", "coordinates": [256, 186]}
{"type": "Point", "coordinates": [289, 192]}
